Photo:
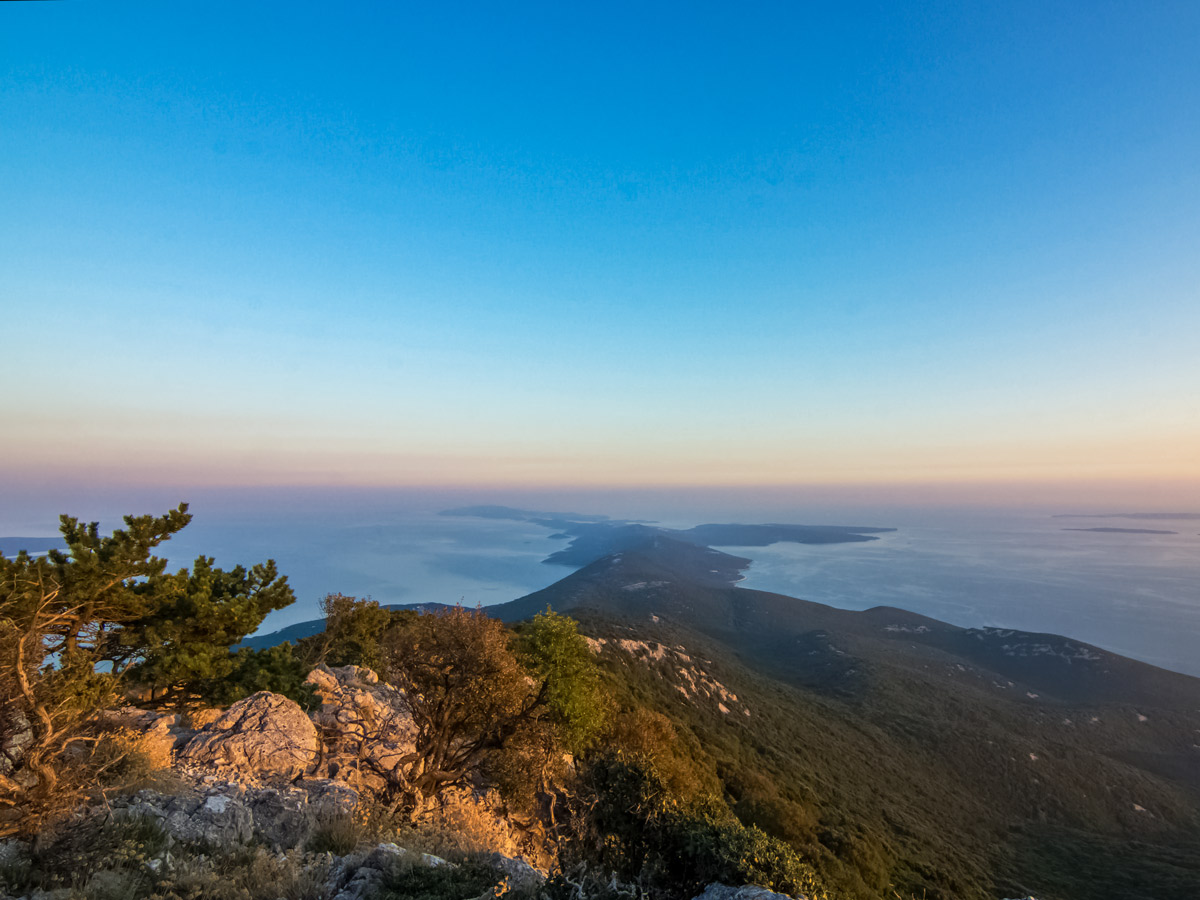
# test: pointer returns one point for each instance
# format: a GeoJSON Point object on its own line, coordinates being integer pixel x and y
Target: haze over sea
{"type": "Point", "coordinates": [1134, 594]}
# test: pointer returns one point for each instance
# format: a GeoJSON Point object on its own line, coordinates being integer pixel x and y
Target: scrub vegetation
{"type": "Point", "coordinates": [103, 626]}
{"type": "Point", "coordinates": [669, 735]}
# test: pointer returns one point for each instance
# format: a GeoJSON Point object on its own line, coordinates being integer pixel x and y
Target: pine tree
{"type": "Point", "coordinates": [82, 628]}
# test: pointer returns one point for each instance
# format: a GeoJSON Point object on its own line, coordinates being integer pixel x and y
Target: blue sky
{"type": "Point", "coordinates": [640, 244]}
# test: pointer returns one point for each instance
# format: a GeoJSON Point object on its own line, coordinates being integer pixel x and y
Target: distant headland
{"type": "Point", "coordinates": [593, 537]}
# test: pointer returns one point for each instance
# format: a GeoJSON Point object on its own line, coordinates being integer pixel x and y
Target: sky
{"type": "Point", "coordinates": [927, 247]}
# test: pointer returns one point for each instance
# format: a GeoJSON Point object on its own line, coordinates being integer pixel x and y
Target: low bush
{"type": "Point", "coordinates": [92, 858]}
{"type": "Point", "coordinates": [343, 831]}
{"type": "Point", "coordinates": [340, 835]}
{"type": "Point", "coordinates": [457, 832]}
{"type": "Point", "coordinates": [16, 867]}
{"type": "Point", "coordinates": [248, 873]}
{"type": "Point", "coordinates": [469, 878]}
{"type": "Point", "coordinates": [643, 832]}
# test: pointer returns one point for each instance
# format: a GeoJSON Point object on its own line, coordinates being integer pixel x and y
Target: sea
{"type": "Point", "coordinates": [1134, 594]}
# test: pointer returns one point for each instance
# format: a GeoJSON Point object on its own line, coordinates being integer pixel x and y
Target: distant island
{"type": "Point", "coordinates": [1124, 530]}
{"type": "Point", "coordinates": [593, 537]}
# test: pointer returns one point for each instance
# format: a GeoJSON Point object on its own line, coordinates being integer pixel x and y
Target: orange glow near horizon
{"type": "Point", "coordinates": [1163, 473]}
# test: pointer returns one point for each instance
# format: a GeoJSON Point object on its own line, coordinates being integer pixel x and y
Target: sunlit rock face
{"type": "Point", "coordinates": [265, 736]}
{"type": "Point", "coordinates": [366, 725]}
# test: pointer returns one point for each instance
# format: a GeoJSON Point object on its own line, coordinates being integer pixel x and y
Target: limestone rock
{"type": "Point", "coordinates": [227, 814]}
{"type": "Point", "coordinates": [202, 718]}
{"type": "Point", "coordinates": [520, 875]}
{"type": "Point", "coordinates": [323, 793]}
{"type": "Point", "coordinates": [218, 819]}
{"type": "Point", "coordinates": [745, 892]}
{"type": "Point", "coordinates": [12, 852]}
{"type": "Point", "coordinates": [363, 883]}
{"type": "Point", "coordinates": [360, 875]}
{"type": "Point", "coordinates": [385, 857]}
{"type": "Point", "coordinates": [282, 819]}
{"type": "Point", "coordinates": [264, 736]}
{"type": "Point", "coordinates": [286, 817]}
{"type": "Point", "coordinates": [367, 725]}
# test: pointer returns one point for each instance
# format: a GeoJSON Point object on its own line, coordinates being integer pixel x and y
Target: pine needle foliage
{"type": "Point", "coordinates": [102, 623]}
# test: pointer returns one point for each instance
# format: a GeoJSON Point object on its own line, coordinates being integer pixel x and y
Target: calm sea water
{"type": "Point", "coordinates": [407, 557]}
{"type": "Point", "coordinates": [1135, 594]}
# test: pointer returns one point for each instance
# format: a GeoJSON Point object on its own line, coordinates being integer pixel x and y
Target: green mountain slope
{"type": "Point", "coordinates": [902, 753]}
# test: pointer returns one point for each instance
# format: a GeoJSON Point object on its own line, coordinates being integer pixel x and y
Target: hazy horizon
{"type": "Point", "coordinates": [33, 509]}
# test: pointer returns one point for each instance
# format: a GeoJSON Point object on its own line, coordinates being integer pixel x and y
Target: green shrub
{"type": "Point", "coordinates": [641, 831]}
{"type": "Point", "coordinates": [445, 882]}
{"type": "Point", "coordinates": [81, 628]}
{"type": "Point", "coordinates": [555, 653]}
{"type": "Point", "coordinates": [277, 669]}
{"type": "Point", "coordinates": [351, 633]}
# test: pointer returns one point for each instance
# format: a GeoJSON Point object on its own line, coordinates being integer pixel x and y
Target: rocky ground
{"type": "Point", "coordinates": [264, 800]}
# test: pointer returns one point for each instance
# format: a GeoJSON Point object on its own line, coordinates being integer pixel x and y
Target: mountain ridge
{"type": "Point", "coordinates": [973, 759]}
{"type": "Point", "coordinates": [896, 749]}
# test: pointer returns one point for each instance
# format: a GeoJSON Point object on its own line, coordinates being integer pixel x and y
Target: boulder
{"type": "Point", "coordinates": [324, 793]}
{"type": "Point", "coordinates": [202, 718]}
{"type": "Point", "coordinates": [385, 857]}
{"type": "Point", "coordinates": [360, 875]}
{"type": "Point", "coordinates": [363, 883]}
{"type": "Point", "coordinates": [367, 725]}
{"type": "Point", "coordinates": [225, 814]}
{"type": "Point", "coordinates": [264, 736]}
{"type": "Point", "coordinates": [282, 819]}
{"type": "Point", "coordinates": [12, 853]}
{"type": "Point", "coordinates": [217, 819]}
{"type": "Point", "coordinates": [520, 875]}
{"type": "Point", "coordinates": [286, 817]}
{"type": "Point", "coordinates": [745, 892]}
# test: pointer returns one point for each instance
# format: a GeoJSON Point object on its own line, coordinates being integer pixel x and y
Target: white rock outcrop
{"type": "Point", "coordinates": [263, 737]}
{"type": "Point", "coordinates": [366, 724]}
